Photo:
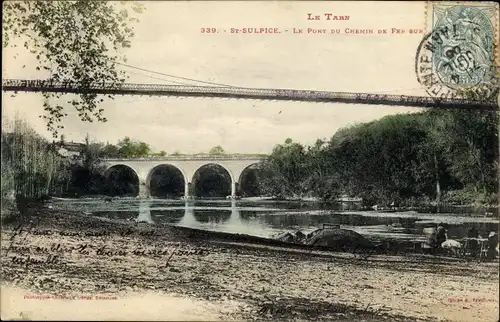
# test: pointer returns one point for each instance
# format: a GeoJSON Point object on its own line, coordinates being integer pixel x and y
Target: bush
{"type": "Point", "coordinates": [469, 196]}
{"type": "Point", "coordinates": [31, 168]}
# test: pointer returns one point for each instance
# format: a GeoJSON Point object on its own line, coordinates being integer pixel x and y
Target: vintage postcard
{"type": "Point", "coordinates": [250, 161]}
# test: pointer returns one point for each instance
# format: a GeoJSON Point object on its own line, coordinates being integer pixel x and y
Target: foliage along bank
{"type": "Point", "coordinates": [432, 156]}
{"type": "Point", "coordinates": [437, 155]}
{"type": "Point", "coordinates": [31, 168]}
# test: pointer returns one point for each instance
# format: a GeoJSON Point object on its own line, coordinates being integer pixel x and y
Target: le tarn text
{"type": "Point", "coordinates": [326, 16]}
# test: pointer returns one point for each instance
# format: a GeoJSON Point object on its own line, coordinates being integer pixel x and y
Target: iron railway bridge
{"type": "Point", "coordinates": [232, 92]}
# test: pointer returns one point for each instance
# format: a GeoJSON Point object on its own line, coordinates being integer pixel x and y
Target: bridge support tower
{"type": "Point", "coordinates": [187, 190]}
{"type": "Point", "coordinates": [143, 191]}
{"type": "Point", "coordinates": [234, 189]}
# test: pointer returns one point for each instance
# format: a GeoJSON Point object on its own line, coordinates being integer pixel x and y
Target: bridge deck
{"type": "Point", "coordinates": [16, 85]}
{"type": "Point", "coordinates": [192, 158]}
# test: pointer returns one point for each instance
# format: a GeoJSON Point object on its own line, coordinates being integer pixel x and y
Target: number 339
{"type": "Point", "coordinates": [208, 30]}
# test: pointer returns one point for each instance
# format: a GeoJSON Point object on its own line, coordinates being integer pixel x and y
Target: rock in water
{"type": "Point", "coordinates": [340, 239]}
{"type": "Point", "coordinates": [285, 237]}
{"type": "Point", "coordinates": [300, 235]}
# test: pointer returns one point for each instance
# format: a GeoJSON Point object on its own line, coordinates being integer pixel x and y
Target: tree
{"type": "Point", "coordinates": [471, 147]}
{"type": "Point", "coordinates": [126, 148]}
{"type": "Point", "coordinates": [91, 154]}
{"type": "Point", "coordinates": [283, 173]}
{"type": "Point", "coordinates": [412, 157]}
{"type": "Point", "coordinates": [86, 178]}
{"type": "Point", "coordinates": [129, 148]}
{"type": "Point", "coordinates": [109, 151]}
{"type": "Point", "coordinates": [76, 42]}
{"type": "Point", "coordinates": [384, 160]}
{"type": "Point", "coordinates": [217, 150]}
{"type": "Point", "coordinates": [321, 178]}
{"type": "Point", "coordinates": [143, 149]}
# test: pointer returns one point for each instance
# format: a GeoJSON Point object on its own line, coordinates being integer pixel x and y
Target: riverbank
{"type": "Point", "coordinates": [59, 253]}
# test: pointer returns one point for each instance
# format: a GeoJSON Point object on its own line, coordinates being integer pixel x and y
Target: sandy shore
{"type": "Point", "coordinates": [18, 303]}
{"type": "Point", "coordinates": [138, 271]}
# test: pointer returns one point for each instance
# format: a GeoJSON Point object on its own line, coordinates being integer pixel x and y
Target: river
{"type": "Point", "coordinates": [267, 218]}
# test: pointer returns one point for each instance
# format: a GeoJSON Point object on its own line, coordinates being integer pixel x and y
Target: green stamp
{"type": "Point", "coordinates": [459, 52]}
{"type": "Point", "coordinates": [466, 58]}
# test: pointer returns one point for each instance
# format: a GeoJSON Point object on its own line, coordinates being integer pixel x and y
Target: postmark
{"type": "Point", "coordinates": [456, 59]}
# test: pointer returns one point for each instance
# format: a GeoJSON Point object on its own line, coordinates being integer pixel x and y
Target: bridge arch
{"type": "Point", "coordinates": [248, 167]}
{"type": "Point", "coordinates": [241, 179]}
{"type": "Point", "coordinates": [183, 188]}
{"type": "Point", "coordinates": [195, 180]}
{"type": "Point", "coordinates": [216, 164]}
{"type": "Point", "coordinates": [122, 179]}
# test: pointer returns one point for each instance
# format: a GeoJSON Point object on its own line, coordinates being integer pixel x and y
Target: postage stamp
{"type": "Point", "coordinates": [457, 57]}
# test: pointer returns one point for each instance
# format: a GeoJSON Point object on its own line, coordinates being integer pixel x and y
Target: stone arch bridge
{"type": "Point", "coordinates": [144, 168]}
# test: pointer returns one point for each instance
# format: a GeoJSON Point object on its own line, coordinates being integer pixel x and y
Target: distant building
{"type": "Point", "coordinates": [345, 198]}
{"type": "Point", "coordinates": [70, 149]}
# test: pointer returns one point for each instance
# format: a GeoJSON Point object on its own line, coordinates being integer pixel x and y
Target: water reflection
{"type": "Point", "coordinates": [239, 218]}
{"type": "Point", "coordinates": [145, 212]}
{"type": "Point", "coordinates": [227, 219]}
{"type": "Point", "coordinates": [188, 220]}
{"type": "Point", "coordinates": [204, 217]}
{"type": "Point", "coordinates": [266, 218]}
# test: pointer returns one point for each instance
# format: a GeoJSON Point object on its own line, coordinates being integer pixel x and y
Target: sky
{"type": "Point", "coordinates": [168, 39]}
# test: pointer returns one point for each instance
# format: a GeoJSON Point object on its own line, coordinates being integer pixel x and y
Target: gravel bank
{"type": "Point", "coordinates": [114, 264]}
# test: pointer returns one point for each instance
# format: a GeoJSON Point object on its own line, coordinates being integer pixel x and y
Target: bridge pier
{"type": "Point", "coordinates": [187, 187]}
{"type": "Point", "coordinates": [143, 191]}
{"type": "Point", "coordinates": [233, 189]}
